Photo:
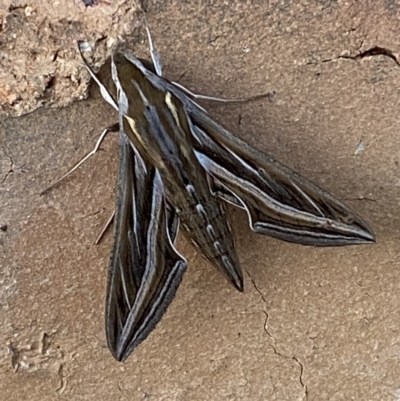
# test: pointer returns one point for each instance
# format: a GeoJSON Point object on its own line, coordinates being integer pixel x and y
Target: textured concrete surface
{"type": "Point", "coordinates": [316, 324]}
{"type": "Point", "coordinates": [39, 61]}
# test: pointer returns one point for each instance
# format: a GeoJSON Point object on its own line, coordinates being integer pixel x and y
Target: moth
{"type": "Point", "coordinates": [178, 168]}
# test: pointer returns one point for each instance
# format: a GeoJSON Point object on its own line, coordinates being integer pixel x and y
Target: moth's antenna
{"type": "Point", "coordinates": [155, 55]}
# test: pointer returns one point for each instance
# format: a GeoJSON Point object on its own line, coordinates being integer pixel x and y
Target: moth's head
{"type": "Point", "coordinates": [126, 68]}
{"type": "Point", "coordinates": [121, 68]}
{"type": "Point", "coordinates": [125, 65]}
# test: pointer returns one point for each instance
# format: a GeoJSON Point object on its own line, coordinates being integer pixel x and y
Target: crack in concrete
{"type": "Point", "coordinates": [264, 310]}
{"type": "Point", "coordinates": [301, 366]}
{"type": "Point", "coordinates": [274, 345]}
{"type": "Point", "coordinates": [301, 377]}
{"type": "Point", "coordinates": [11, 169]}
{"type": "Point", "coordinates": [373, 51]}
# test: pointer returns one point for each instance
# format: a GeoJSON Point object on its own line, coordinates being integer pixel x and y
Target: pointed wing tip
{"type": "Point", "coordinates": [239, 287]}
{"type": "Point", "coordinates": [120, 354]}
{"type": "Point", "coordinates": [119, 358]}
{"type": "Point", "coordinates": [234, 275]}
{"type": "Point", "coordinates": [120, 347]}
{"type": "Point", "coordinates": [360, 236]}
{"type": "Point", "coordinates": [237, 283]}
{"type": "Point", "coordinates": [367, 237]}
{"type": "Point", "coordinates": [363, 233]}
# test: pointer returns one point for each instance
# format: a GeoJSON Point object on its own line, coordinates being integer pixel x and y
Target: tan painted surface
{"type": "Point", "coordinates": [316, 324]}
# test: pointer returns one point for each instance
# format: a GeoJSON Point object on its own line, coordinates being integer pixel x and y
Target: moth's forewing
{"type": "Point", "coordinates": [145, 268]}
{"type": "Point", "coordinates": [279, 201]}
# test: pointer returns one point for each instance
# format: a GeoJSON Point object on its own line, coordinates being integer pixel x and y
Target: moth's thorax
{"type": "Point", "coordinates": [156, 122]}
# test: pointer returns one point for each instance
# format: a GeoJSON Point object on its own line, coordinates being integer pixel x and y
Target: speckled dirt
{"type": "Point", "coordinates": [315, 324]}
{"type": "Point", "coordinates": [39, 63]}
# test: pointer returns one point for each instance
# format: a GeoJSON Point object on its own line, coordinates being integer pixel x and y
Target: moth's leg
{"type": "Point", "coordinates": [105, 228]}
{"type": "Point", "coordinates": [114, 127]}
{"type": "Point", "coordinates": [218, 99]}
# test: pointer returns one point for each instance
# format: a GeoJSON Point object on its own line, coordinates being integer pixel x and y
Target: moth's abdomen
{"type": "Point", "coordinates": [205, 223]}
